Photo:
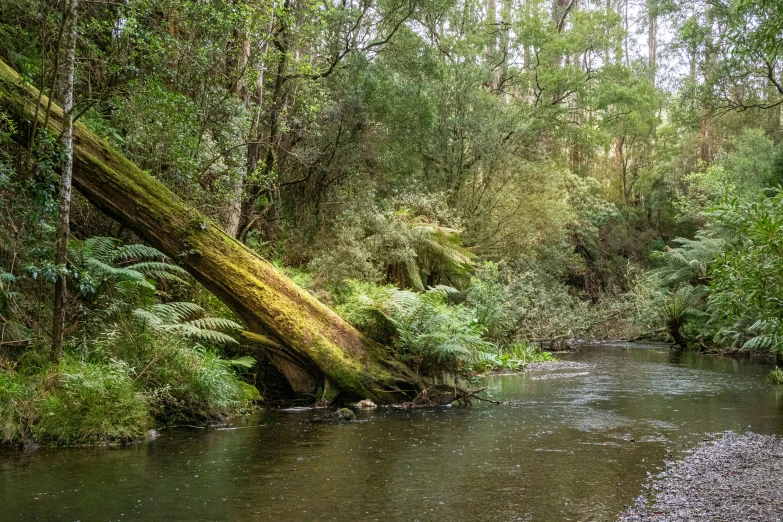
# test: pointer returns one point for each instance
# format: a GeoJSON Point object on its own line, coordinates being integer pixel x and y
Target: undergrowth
{"type": "Point", "coordinates": [118, 390]}
{"type": "Point", "coordinates": [437, 331]}
{"type": "Point", "coordinates": [132, 360]}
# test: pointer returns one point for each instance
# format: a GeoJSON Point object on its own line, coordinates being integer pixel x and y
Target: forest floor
{"type": "Point", "coordinates": [735, 478]}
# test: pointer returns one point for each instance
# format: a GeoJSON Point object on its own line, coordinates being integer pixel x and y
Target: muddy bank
{"type": "Point", "coordinates": [736, 478]}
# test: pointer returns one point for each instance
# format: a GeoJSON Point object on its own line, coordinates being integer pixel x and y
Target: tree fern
{"type": "Point", "coordinates": [433, 335]}
{"type": "Point", "coordinates": [688, 263]}
{"type": "Point", "coordinates": [439, 250]}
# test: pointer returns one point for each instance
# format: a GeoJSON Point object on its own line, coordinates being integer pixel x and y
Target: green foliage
{"type": "Point", "coordinates": [486, 295]}
{"type": "Point", "coordinates": [126, 383]}
{"type": "Point", "coordinates": [744, 171]}
{"type": "Point", "coordinates": [512, 358]}
{"type": "Point", "coordinates": [16, 398]}
{"type": "Point", "coordinates": [104, 265]}
{"type": "Point", "coordinates": [91, 403]}
{"type": "Point", "coordinates": [183, 380]}
{"type": "Point", "coordinates": [527, 353]}
{"type": "Point", "coordinates": [544, 308]}
{"type": "Point", "coordinates": [744, 304]}
{"type": "Point", "coordinates": [431, 335]}
{"type": "Point", "coordinates": [685, 303]}
{"type": "Point", "coordinates": [360, 304]}
{"type": "Point", "coordinates": [690, 262]}
{"type": "Point", "coordinates": [395, 245]}
{"type": "Point", "coordinates": [776, 376]}
{"type": "Point", "coordinates": [178, 319]}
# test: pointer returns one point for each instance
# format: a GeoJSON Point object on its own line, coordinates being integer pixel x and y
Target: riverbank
{"type": "Point", "coordinates": [736, 478]}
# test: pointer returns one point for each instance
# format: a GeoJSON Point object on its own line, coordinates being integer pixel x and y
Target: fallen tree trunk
{"type": "Point", "coordinates": [310, 344]}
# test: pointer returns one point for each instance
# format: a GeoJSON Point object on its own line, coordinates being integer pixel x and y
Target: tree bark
{"type": "Point", "coordinates": [63, 228]}
{"type": "Point", "coordinates": [304, 336]}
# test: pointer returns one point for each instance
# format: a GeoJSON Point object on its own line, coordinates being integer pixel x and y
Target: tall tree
{"type": "Point", "coordinates": [63, 229]}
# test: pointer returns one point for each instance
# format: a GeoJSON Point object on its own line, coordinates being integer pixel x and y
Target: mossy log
{"type": "Point", "coordinates": [312, 346]}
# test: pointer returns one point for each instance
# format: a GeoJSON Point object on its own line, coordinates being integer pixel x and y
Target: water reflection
{"type": "Point", "coordinates": [561, 449]}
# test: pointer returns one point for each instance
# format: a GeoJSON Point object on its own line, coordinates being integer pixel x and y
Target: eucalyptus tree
{"type": "Point", "coordinates": [61, 288]}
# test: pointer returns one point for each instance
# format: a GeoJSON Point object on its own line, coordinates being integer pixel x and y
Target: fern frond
{"type": "Point", "coordinates": [100, 270]}
{"type": "Point", "coordinates": [148, 318]}
{"type": "Point", "coordinates": [243, 362]}
{"type": "Point", "coordinates": [136, 251]}
{"type": "Point", "coordinates": [98, 247]}
{"type": "Point", "coordinates": [172, 318]}
{"type": "Point", "coordinates": [160, 270]}
{"type": "Point", "coordinates": [197, 334]}
{"type": "Point", "coordinates": [176, 312]}
{"type": "Point", "coordinates": [215, 323]}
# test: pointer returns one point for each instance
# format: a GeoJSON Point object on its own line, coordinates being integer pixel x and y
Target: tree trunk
{"type": "Point", "coordinates": [63, 228]}
{"type": "Point", "coordinates": [652, 41]}
{"type": "Point", "coordinates": [305, 337]}
{"type": "Point", "coordinates": [234, 211]}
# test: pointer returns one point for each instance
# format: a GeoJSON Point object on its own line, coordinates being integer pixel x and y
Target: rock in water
{"type": "Point", "coordinates": [366, 403]}
{"type": "Point", "coordinates": [340, 415]}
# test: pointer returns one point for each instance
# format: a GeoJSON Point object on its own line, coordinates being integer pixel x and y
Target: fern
{"type": "Point", "coordinates": [690, 262]}
{"type": "Point", "coordinates": [136, 251]}
{"type": "Point", "coordinates": [160, 271]}
{"type": "Point", "coordinates": [179, 319]}
{"type": "Point", "coordinates": [104, 268]}
{"type": "Point", "coordinates": [438, 249]}
{"type": "Point", "coordinates": [105, 272]}
{"type": "Point", "coordinates": [6, 277]}
{"type": "Point", "coordinates": [431, 334]}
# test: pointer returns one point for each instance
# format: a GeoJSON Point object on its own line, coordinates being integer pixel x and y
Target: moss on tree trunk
{"type": "Point", "coordinates": [309, 342]}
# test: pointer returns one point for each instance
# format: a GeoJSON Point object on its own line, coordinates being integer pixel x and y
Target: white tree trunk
{"type": "Point", "coordinates": [63, 229]}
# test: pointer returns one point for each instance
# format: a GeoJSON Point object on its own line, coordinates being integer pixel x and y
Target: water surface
{"type": "Point", "coordinates": [577, 448]}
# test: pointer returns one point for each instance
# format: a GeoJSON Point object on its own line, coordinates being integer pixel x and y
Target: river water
{"type": "Point", "coordinates": [576, 448]}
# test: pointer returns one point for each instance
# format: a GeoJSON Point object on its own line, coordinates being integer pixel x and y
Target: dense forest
{"type": "Point", "coordinates": [333, 201]}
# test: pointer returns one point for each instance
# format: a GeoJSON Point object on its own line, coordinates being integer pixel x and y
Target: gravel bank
{"type": "Point", "coordinates": [737, 478]}
{"type": "Point", "coordinates": [547, 366]}
{"type": "Point", "coordinates": [564, 375]}
{"type": "Point", "coordinates": [556, 365]}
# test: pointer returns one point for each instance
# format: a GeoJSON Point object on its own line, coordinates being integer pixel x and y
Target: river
{"type": "Point", "coordinates": [576, 448]}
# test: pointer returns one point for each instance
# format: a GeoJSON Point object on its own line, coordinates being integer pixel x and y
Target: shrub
{"type": "Point", "coordinates": [16, 397]}
{"type": "Point", "coordinates": [428, 333]}
{"type": "Point", "coordinates": [487, 297]}
{"type": "Point", "coordinates": [91, 403]}
{"type": "Point", "coordinates": [183, 381]}
{"type": "Point", "coordinates": [193, 383]}
{"type": "Point", "coordinates": [744, 302]}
